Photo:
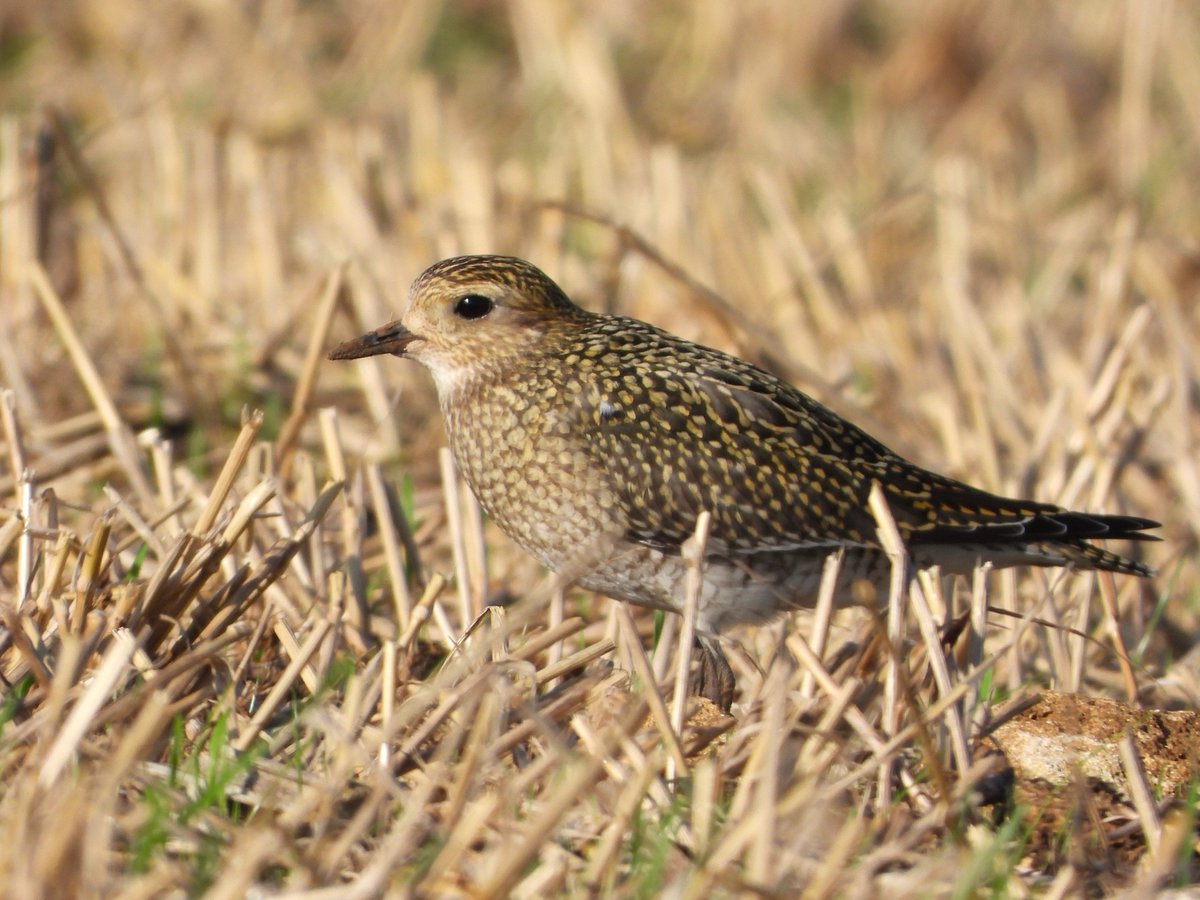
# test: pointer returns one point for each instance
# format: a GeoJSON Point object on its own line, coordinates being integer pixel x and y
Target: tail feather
{"type": "Point", "coordinates": [1051, 526]}
{"type": "Point", "coordinates": [1089, 556]}
{"type": "Point", "coordinates": [1036, 535]}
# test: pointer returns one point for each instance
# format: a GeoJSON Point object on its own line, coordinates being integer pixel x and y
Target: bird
{"type": "Point", "coordinates": [595, 441]}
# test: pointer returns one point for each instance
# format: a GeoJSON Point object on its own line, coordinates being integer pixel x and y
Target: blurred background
{"type": "Point", "coordinates": [971, 227]}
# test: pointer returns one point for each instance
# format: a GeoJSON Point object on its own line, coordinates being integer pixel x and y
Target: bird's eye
{"type": "Point", "coordinates": [473, 306]}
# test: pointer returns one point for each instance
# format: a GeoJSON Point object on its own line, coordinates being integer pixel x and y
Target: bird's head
{"type": "Point", "coordinates": [468, 317]}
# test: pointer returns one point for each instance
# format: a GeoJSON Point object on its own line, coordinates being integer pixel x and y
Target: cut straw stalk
{"type": "Point", "coordinates": [693, 551]}
{"type": "Point", "coordinates": [937, 662]}
{"type": "Point", "coordinates": [470, 605]}
{"type": "Point", "coordinates": [281, 687]}
{"type": "Point", "coordinates": [893, 546]}
{"type": "Point", "coordinates": [1139, 790]}
{"type": "Point", "coordinates": [314, 354]}
{"type": "Point", "coordinates": [576, 660]}
{"type": "Point", "coordinates": [234, 462]}
{"type": "Point", "coordinates": [402, 600]}
{"type": "Point", "coordinates": [121, 441]}
{"type": "Point", "coordinates": [822, 614]}
{"type": "Point", "coordinates": [600, 868]}
{"type": "Point", "coordinates": [113, 667]}
{"type": "Point", "coordinates": [577, 776]}
{"type": "Point", "coordinates": [13, 434]}
{"type": "Point", "coordinates": [644, 671]}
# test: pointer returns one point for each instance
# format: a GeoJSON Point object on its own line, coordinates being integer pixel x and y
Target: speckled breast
{"type": "Point", "coordinates": [522, 450]}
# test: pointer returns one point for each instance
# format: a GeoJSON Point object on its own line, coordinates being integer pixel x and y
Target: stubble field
{"type": "Point", "coordinates": [258, 638]}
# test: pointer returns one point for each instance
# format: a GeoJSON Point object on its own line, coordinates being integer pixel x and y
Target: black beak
{"type": "Point", "coordinates": [391, 338]}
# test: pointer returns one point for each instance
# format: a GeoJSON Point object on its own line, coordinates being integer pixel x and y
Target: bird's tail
{"type": "Point", "coordinates": [1085, 555]}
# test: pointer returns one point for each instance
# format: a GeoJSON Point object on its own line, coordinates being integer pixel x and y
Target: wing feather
{"type": "Point", "coordinates": [779, 471]}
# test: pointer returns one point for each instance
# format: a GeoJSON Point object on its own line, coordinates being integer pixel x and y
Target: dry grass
{"type": "Point", "coordinates": [231, 661]}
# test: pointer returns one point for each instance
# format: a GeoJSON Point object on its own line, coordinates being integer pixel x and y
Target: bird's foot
{"type": "Point", "coordinates": [713, 678]}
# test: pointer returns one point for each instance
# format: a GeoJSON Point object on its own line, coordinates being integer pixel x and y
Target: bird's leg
{"type": "Point", "coordinates": [713, 678]}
